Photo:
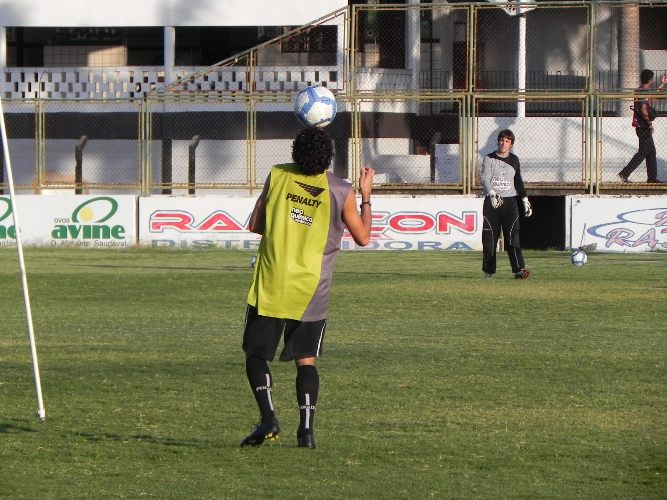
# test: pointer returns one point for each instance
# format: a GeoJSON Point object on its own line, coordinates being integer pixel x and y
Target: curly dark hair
{"type": "Point", "coordinates": [646, 76]}
{"type": "Point", "coordinates": [312, 150]}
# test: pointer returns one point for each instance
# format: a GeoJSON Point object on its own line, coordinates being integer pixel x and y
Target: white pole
{"type": "Point", "coordinates": [413, 44]}
{"type": "Point", "coordinates": [169, 54]}
{"type": "Point", "coordinates": [3, 46]}
{"type": "Point", "coordinates": [19, 247]}
{"type": "Point", "coordinates": [521, 65]}
{"type": "Point", "coordinates": [414, 41]}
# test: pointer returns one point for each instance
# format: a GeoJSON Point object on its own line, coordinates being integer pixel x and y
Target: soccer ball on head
{"type": "Point", "coordinates": [315, 106]}
{"type": "Point", "coordinates": [579, 257]}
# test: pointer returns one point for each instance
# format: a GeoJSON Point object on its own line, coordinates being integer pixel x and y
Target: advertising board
{"type": "Point", "coordinates": [70, 221]}
{"type": "Point", "coordinates": [617, 223]}
{"type": "Point", "coordinates": [399, 223]}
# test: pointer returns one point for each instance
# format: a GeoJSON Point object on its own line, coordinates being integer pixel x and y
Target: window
{"type": "Point", "coordinates": [318, 39]}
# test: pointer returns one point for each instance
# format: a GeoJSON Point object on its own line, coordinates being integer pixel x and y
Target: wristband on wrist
{"type": "Point", "coordinates": [364, 203]}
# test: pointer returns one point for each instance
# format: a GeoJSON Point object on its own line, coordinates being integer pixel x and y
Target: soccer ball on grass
{"type": "Point", "coordinates": [315, 106]}
{"type": "Point", "coordinates": [579, 257]}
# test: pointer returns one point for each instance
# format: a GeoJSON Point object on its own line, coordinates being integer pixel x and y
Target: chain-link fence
{"type": "Point", "coordinates": [89, 146]}
{"type": "Point", "coordinates": [21, 123]}
{"type": "Point", "coordinates": [422, 91]}
{"type": "Point", "coordinates": [198, 145]}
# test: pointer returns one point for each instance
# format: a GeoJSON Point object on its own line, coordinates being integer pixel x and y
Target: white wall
{"type": "Point", "coordinates": [86, 13]}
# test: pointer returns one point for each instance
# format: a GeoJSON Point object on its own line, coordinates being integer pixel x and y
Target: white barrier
{"type": "Point", "coordinates": [71, 221]}
{"type": "Point", "coordinates": [617, 223]}
{"type": "Point", "coordinates": [613, 223]}
{"type": "Point", "coordinates": [399, 223]}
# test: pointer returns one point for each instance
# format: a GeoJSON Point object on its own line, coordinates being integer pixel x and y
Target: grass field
{"type": "Point", "coordinates": [435, 382]}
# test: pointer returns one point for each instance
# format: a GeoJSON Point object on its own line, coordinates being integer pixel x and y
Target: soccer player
{"type": "Point", "coordinates": [301, 215]}
{"type": "Point", "coordinates": [500, 174]}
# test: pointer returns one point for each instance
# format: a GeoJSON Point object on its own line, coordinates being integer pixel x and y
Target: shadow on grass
{"type": "Point", "coordinates": [147, 438]}
{"type": "Point", "coordinates": [166, 268]}
{"type": "Point", "coordinates": [23, 426]}
{"type": "Point", "coordinates": [425, 274]}
{"type": "Point", "coordinates": [8, 428]}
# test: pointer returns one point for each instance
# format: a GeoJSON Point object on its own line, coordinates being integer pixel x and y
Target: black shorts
{"type": "Point", "coordinates": [261, 336]}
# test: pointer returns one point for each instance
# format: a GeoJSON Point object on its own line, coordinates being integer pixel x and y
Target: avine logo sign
{"type": "Point", "coordinates": [7, 230]}
{"type": "Point", "coordinates": [86, 226]}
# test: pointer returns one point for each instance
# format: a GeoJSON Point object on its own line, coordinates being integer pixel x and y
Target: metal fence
{"type": "Point", "coordinates": [422, 91]}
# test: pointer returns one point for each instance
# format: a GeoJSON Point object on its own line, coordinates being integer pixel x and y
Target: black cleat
{"type": "Point", "coordinates": [306, 440]}
{"type": "Point", "coordinates": [265, 431]}
{"type": "Point", "coordinates": [522, 275]}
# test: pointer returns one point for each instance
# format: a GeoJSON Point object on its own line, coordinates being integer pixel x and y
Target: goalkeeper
{"type": "Point", "coordinates": [500, 174]}
{"type": "Point", "coordinates": [301, 215]}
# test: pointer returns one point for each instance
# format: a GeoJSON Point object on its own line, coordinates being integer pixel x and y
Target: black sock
{"type": "Point", "coordinates": [307, 386]}
{"type": "Point", "coordinates": [259, 376]}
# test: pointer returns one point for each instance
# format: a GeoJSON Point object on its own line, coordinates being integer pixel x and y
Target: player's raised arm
{"type": "Point", "coordinates": [359, 222]}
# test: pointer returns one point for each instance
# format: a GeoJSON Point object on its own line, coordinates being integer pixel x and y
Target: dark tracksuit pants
{"type": "Point", "coordinates": [506, 217]}
{"type": "Point", "coordinates": [646, 152]}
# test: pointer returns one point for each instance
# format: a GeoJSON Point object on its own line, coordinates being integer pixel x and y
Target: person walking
{"type": "Point", "coordinates": [500, 174]}
{"type": "Point", "coordinates": [642, 121]}
{"type": "Point", "coordinates": [301, 214]}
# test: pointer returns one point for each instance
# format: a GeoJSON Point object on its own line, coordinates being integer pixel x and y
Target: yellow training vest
{"type": "Point", "coordinates": [301, 237]}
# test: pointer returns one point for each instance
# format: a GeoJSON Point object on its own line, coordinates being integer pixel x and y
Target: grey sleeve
{"type": "Point", "coordinates": [486, 174]}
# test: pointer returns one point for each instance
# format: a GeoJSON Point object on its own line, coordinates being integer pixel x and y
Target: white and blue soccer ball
{"type": "Point", "coordinates": [579, 257]}
{"type": "Point", "coordinates": [315, 106]}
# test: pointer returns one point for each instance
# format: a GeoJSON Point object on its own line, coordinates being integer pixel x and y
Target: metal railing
{"type": "Point", "coordinates": [421, 121]}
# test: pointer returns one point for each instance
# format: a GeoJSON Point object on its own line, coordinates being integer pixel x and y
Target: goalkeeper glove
{"type": "Point", "coordinates": [496, 199]}
{"type": "Point", "coordinates": [527, 207]}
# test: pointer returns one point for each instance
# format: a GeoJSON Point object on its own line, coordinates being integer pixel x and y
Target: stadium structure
{"type": "Point", "coordinates": [166, 99]}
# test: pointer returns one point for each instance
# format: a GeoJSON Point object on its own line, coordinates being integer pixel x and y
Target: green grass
{"type": "Point", "coordinates": [435, 382]}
